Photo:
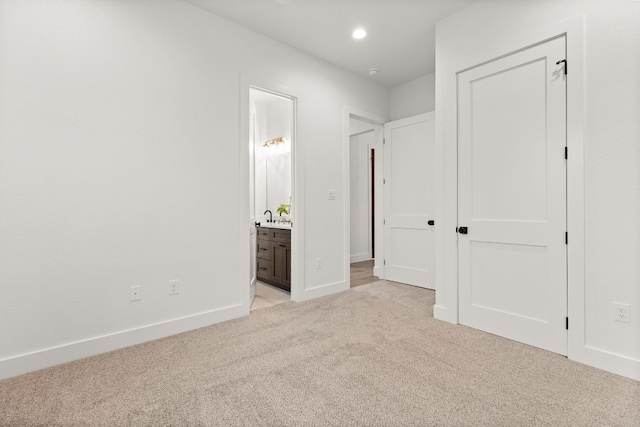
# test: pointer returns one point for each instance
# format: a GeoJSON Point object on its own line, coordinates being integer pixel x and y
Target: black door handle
{"type": "Point", "coordinates": [431, 222]}
{"type": "Point", "coordinates": [463, 230]}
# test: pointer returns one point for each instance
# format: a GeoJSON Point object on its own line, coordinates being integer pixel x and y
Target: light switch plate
{"type": "Point", "coordinates": [174, 287]}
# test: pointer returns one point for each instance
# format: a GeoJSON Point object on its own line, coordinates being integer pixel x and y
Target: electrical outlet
{"type": "Point", "coordinates": [134, 293]}
{"type": "Point", "coordinates": [174, 287]}
{"type": "Point", "coordinates": [318, 263]}
{"type": "Point", "coordinates": [332, 194]}
{"type": "Point", "coordinates": [621, 312]}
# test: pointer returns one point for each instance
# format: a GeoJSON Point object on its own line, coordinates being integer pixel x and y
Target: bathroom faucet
{"type": "Point", "coordinates": [270, 215]}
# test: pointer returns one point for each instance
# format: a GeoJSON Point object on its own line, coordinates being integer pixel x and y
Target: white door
{"type": "Point", "coordinates": [512, 196]}
{"type": "Point", "coordinates": [409, 195]}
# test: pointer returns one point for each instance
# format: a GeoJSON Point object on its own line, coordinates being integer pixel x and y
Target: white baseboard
{"type": "Point", "coordinates": [45, 358]}
{"type": "Point", "coordinates": [360, 257]}
{"type": "Point", "coordinates": [608, 361]}
{"type": "Point", "coordinates": [591, 356]}
{"type": "Point", "coordinates": [323, 290]}
{"type": "Point", "coordinates": [442, 313]}
{"type": "Point", "coordinates": [377, 271]}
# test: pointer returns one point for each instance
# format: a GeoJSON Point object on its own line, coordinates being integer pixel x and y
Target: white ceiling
{"type": "Point", "coordinates": [400, 38]}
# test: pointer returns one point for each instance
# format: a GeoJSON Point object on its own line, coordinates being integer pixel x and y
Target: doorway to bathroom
{"type": "Point", "coordinates": [271, 140]}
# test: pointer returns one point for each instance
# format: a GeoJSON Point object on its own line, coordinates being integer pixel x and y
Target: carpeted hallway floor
{"type": "Point", "coordinates": [370, 356]}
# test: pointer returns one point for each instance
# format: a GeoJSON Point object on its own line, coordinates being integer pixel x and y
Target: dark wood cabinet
{"type": "Point", "coordinates": [274, 257]}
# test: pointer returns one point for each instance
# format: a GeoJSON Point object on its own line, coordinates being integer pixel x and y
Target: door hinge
{"type": "Point", "coordinates": [384, 141]}
{"type": "Point", "coordinates": [566, 237]}
{"type": "Point", "coordinates": [565, 65]}
{"type": "Point", "coordinates": [384, 222]}
{"type": "Point", "coordinates": [384, 262]}
{"type": "Point", "coordinates": [384, 181]}
{"type": "Point", "coordinates": [566, 152]}
{"type": "Point", "coordinates": [567, 323]}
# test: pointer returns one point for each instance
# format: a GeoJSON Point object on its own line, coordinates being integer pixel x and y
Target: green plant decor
{"type": "Point", "coordinates": [283, 209]}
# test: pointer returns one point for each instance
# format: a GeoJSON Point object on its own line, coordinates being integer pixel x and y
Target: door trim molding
{"type": "Point", "coordinates": [297, 176]}
{"type": "Point", "coordinates": [446, 307]}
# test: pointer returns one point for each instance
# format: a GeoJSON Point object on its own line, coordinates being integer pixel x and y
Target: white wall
{"type": "Point", "coordinates": [119, 166]}
{"type": "Point", "coordinates": [358, 126]}
{"type": "Point", "coordinates": [413, 98]}
{"type": "Point", "coordinates": [274, 118]}
{"type": "Point", "coordinates": [611, 155]}
{"type": "Point", "coordinates": [360, 183]}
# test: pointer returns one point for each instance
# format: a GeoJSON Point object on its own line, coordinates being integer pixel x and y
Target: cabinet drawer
{"type": "Point", "coordinates": [264, 233]}
{"type": "Point", "coordinates": [263, 271]}
{"type": "Point", "coordinates": [263, 249]}
{"type": "Point", "coordinates": [281, 235]}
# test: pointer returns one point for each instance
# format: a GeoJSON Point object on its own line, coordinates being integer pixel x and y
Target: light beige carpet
{"type": "Point", "coordinates": [371, 356]}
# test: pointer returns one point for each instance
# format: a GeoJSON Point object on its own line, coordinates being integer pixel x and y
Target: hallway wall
{"type": "Point", "coordinates": [415, 97]}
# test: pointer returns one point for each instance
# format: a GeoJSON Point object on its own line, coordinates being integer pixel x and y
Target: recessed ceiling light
{"type": "Point", "coordinates": [359, 33]}
{"type": "Point", "coordinates": [373, 71]}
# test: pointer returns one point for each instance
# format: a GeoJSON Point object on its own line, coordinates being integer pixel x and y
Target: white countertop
{"type": "Point", "coordinates": [281, 225]}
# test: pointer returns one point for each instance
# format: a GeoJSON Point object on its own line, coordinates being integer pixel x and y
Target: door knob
{"type": "Point", "coordinates": [431, 222]}
{"type": "Point", "coordinates": [463, 230]}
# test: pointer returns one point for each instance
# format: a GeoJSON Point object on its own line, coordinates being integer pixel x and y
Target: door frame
{"type": "Point", "coordinates": [297, 183]}
{"type": "Point", "coordinates": [446, 307]}
{"type": "Point", "coordinates": [378, 121]}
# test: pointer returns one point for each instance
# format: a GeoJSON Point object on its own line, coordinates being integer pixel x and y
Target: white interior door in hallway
{"type": "Point", "coordinates": [409, 197]}
{"type": "Point", "coordinates": [512, 254]}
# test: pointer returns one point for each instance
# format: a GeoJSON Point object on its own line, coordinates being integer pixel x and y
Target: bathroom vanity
{"type": "Point", "coordinates": [274, 255]}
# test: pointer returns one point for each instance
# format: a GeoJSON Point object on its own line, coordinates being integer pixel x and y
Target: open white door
{"type": "Point", "coordinates": [409, 195]}
{"type": "Point", "coordinates": [512, 196]}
